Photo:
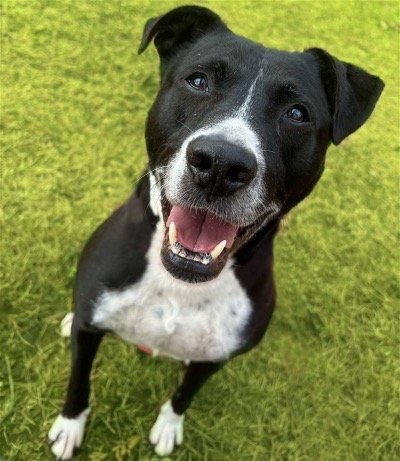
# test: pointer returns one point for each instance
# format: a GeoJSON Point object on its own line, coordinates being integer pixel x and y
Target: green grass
{"type": "Point", "coordinates": [323, 384]}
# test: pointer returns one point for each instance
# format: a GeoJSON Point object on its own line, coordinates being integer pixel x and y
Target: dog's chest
{"type": "Point", "coordinates": [195, 322]}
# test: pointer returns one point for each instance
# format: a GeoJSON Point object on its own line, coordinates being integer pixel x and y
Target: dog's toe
{"type": "Point", "coordinates": [67, 434]}
{"type": "Point", "coordinates": [66, 324]}
{"type": "Point", "coordinates": [167, 430]}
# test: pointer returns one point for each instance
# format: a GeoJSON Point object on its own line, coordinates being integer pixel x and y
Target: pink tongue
{"type": "Point", "coordinates": [200, 231]}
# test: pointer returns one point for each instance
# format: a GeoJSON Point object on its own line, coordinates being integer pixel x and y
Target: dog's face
{"type": "Point", "coordinates": [238, 134]}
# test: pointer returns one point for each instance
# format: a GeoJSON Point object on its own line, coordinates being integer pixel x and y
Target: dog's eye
{"type": "Point", "coordinates": [298, 114]}
{"type": "Point", "coordinates": [198, 81]}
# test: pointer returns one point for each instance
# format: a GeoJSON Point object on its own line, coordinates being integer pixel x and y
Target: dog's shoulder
{"type": "Point", "coordinates": [114, 256]}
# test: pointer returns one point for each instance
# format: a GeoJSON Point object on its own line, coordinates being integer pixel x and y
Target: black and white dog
{"type": "Point", "coordinates": [236, 137]}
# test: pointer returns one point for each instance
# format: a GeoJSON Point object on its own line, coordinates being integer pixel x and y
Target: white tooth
{"type": "Point", "coordinates": [172, 234]}
{"type": "Point", "coordinates": [218, 249]}
{"type": "Point", "coordinates": [205, 260]}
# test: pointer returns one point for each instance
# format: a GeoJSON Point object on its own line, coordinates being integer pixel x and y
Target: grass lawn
{"type": "Point", "coordinates": [323, 385]}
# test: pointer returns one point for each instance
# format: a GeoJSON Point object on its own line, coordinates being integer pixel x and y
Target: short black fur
{"type": "Point", "coordinates": [337, 98]}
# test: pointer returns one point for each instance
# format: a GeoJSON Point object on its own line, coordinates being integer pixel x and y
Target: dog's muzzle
{"type": "Point", "coordinates": [198, 239]}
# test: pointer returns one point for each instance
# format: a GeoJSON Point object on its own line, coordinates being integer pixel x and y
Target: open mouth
{"type": "Point", "coordinates": [196, 244]}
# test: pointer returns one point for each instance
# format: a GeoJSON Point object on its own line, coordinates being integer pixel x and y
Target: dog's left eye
{"type": "Point", "coordinates": [198, 81]}
{"type": "Point", "coordinates": [297, 113]}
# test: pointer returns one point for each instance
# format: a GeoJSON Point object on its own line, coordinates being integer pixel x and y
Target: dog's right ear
{"type": "Point", "coordinates": [177, 28]}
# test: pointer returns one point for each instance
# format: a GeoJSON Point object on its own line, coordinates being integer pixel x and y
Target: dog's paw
{"type": "Point", "coordinates": [167, 430]}
{"type": "Point", "coordinates": [67, 434]}
{"type": "Point", "coordinates": [66, 325]}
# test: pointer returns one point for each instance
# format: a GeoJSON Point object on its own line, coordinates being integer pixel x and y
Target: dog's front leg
{"type": "Point", "coordinates": [167, 431]}
{"type": "Point", "coordinates": [68, 428]}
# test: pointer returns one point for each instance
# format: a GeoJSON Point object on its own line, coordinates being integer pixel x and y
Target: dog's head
{"type": "Point", "coordinates": [238, 133]}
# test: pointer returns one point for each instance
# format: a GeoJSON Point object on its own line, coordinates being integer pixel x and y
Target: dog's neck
{"type": "Point", "coordinates": [142, 194]}
{"type": "Point", "coordinates": [263, 238]}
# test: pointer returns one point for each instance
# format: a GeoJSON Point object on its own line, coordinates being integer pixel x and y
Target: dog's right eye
{"type": "Point", "coordinates": [198, 81]}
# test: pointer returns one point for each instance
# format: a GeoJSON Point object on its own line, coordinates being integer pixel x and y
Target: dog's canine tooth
{"type": "Point", "coordinates": [218, 249]}
{"type": "Point", "coordinates": [172, 234]}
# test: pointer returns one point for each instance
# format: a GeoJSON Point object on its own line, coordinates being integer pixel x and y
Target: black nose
{"type": "Point", "coordinates": [219, 167]}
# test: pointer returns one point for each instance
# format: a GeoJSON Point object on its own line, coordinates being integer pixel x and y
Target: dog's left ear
{"type": "Point", "coordinates": [177, 28]}
{"type": "Point", "coordinates": [352, 93]}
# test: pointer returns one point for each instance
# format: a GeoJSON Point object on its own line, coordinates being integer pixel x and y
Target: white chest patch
{"type": "Point", "coordinates": [196, 322]}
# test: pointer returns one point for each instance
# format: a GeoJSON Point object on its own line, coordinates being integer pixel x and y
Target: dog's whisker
{"type": "Point", "coordinates": [184, 125]}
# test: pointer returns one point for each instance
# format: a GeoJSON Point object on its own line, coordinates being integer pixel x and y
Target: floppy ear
{"type": "Point", "coordinates": [352, 93]}
{"type": "Point", "coordinates": [177, 27]}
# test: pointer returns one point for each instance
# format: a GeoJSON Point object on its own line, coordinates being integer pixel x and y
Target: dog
{"type": "Point", "coordinates": [236, 137]}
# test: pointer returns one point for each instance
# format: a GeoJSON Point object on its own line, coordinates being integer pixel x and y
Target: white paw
{"type": "Point", "coordinates": [67, 434]}
{"type": "Point", "coordinates": [66, 324]}
{"type": "Point", "coordinates": [167, 430]}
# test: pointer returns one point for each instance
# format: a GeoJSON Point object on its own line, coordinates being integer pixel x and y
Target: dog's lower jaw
{"type": "Point", "coordinates": [167, 431]}
{"type": "Point", "coordinates": [66, 434]}
{"type": "Point", "coordinates": [179, 267]}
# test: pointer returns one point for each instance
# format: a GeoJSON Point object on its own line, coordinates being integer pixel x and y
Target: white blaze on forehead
{"type": "Point", "coordinates": [244, 108]}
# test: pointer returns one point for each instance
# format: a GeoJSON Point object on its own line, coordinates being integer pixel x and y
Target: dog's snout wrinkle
{"type": "Point", "coordinates": [219, 167]}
